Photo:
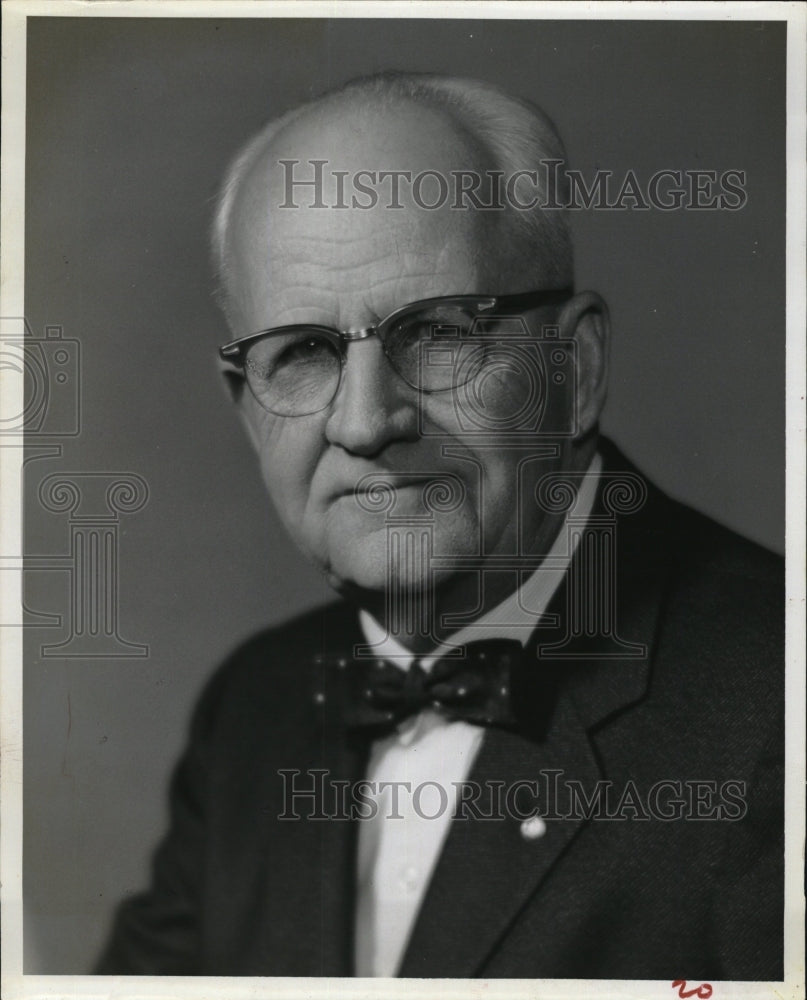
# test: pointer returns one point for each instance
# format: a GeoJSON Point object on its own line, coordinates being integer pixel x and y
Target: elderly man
{"type": "Point", "coordinates": [540, 733]}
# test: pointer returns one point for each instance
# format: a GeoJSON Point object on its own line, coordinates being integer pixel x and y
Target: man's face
{"type": "Point", "coordinates": [349, 268]}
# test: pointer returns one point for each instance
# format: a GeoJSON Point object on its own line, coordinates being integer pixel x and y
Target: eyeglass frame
{"type": "Point", "coordinates": [234, 352]}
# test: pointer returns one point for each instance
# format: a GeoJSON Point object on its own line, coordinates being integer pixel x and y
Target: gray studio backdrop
{"type": "Point", "coordinates": [129, 125]}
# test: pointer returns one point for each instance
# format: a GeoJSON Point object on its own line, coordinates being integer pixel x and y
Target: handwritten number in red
{"type": "Point", "coordinates": [703, 992]}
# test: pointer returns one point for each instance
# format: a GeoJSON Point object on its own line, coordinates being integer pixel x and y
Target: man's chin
{"type": "Point", "coordinates": [379, 572]}
{"type": "Point", "coordinates": [382, 561]}
{"type": "Point", "coordinates": [360, 577]}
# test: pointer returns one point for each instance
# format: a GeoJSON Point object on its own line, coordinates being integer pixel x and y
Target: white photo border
{"type": "Point", "coordinates": [15, 984]}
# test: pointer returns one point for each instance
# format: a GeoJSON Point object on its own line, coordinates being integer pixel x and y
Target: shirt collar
{"type": "Point", "coordinates": [517, 614]}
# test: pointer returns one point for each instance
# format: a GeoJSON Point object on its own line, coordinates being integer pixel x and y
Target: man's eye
{"type": "Point", "coordinates": [309, 356]}
{"type": "Point", "coordinates": [303, 352]}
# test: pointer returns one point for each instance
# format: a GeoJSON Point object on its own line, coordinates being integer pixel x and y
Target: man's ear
{"type": "Point", "coordinates": [234, 383]}
{"type": "Point", "coordinates": [236, 387]}
{"type": "Point", "coordinates": [584, 319]}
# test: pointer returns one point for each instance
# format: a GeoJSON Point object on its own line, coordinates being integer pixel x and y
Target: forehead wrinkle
{"type": "Point", "coordinates": [408, 265]}
{"type": "Point", "coordinates": [305, 277]}
{"type": "Point", "coordinates": [430, 280]}
{"type": "Point", "coordinates": [326, 263]}
{"type": "Point", "coordinates": [339, 240]}
{"type": "Point", "coordinates": [314, 252]}
{"type": "Point", "coordinates": [355, 234]}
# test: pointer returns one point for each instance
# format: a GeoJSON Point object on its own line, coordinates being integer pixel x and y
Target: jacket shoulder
{"type": "Point", "coordinates": [274, 669]}
{"type": "Point", "coordinates": [716, 652]}
{"type": "Point", "coordinates": [718, 660]}
{"type": "Point", "coordinates": [667, 531]}
{"type": "Point", "coordinates": [307, 634]}
{"type": "Point", "coordinates": [710, 547]}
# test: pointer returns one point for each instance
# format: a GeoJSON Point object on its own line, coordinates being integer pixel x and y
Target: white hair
{"type": "Point", "coordinates": [516, 135]}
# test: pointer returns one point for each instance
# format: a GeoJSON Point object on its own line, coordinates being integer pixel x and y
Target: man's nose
{"type": "Point", "coordinates": [374, 406]}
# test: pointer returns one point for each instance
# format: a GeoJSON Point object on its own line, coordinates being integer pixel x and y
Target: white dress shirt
{"type": "Point", "coordinates": [417, 769]}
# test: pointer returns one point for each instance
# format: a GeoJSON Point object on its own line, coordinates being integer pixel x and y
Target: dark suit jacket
{"type": "Point", "coordinates": [236, 891]}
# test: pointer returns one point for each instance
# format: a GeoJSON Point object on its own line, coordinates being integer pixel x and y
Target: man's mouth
{"type": "Point", "coordinates": [379, 485]}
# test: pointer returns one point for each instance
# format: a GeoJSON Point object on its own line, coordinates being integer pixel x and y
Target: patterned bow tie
{"type": "Point", "coordinates": [477, 688]}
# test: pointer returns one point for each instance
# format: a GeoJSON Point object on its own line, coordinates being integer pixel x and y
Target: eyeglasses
{"type": "Point", "coordinates": [434, 345]}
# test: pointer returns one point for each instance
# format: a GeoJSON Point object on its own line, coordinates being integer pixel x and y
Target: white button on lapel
{"type": "Point", "coordinates": [533, 828]}
{"type": "Point", "coordinates": [410, 878]}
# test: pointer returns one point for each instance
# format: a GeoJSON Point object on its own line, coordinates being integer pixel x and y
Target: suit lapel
{"type": "Point", "coordinates": [488, 869]}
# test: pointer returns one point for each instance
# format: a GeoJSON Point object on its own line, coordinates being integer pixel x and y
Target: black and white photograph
{"type": "Point", "coordinates": [402, 446]}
